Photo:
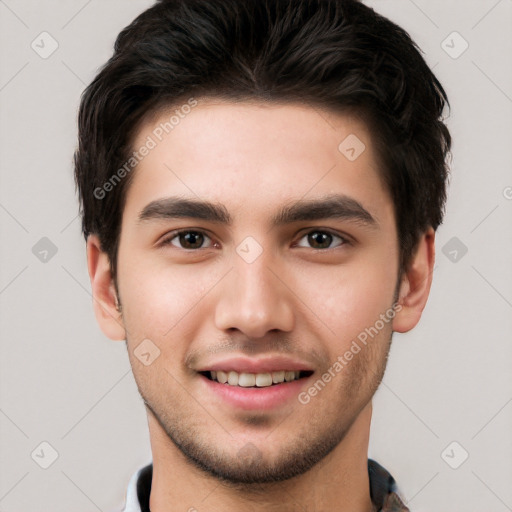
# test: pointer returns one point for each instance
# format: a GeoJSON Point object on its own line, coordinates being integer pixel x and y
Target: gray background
{"type": "Point", "coordinates": [62, 382]}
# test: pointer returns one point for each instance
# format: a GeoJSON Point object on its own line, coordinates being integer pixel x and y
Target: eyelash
{"type": "Point", "coordinates": [174, 234]}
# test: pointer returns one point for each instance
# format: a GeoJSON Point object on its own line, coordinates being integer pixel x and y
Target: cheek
{"type": "Point", "coordinates": [349, 299]}
{"type": "Point", "coordinates": [159, 300]}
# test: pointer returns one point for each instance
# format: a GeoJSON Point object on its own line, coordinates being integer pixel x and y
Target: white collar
{"type": "Point", "coordinates": [132, 500]}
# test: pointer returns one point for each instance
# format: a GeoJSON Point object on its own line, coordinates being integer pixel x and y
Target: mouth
{"type": "Point", "coordinates": [259, 385]}
{"type": "Point", "coordinates": [255, 380]}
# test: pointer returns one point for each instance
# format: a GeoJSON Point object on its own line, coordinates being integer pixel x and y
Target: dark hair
{"type": "Point", "coordinates": [335, 54]}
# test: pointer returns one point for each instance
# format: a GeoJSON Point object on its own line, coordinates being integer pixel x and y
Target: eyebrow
{"type": "Point", "coordinates": [334, 206]}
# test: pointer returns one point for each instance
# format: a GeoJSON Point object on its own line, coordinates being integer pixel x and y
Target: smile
{"type": "Point", "coordinates": [259, 380]}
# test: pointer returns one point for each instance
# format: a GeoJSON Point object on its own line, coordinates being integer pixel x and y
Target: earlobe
{"type": "Point", "coordinates": [415, 285]}
{"type": "Point", "coordinates": [103, 291]}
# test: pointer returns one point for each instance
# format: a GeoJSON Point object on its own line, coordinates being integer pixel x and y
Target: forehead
{"type": "Point", "coordinates": [255, 155]}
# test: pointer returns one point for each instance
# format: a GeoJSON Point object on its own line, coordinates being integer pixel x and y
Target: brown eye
{"type": "Point", "coordinates": [187, 240]}
{"type": "Point", "coordinates": [321, 239]}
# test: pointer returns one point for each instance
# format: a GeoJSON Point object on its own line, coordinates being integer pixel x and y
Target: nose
{"type": "Point", "coordinates": [254, 300]}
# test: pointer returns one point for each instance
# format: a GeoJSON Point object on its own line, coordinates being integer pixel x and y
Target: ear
{"type": "Point", "coordinates": [415, 284]}
{"type": "Point", "coordinates": [103, 291]}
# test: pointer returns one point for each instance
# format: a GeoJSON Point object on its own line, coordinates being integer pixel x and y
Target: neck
{"type": "Point", "coordinates": [338, 483]}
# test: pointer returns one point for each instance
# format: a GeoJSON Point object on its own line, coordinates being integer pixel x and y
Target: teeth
{"type": "Point", "coordinates": [222, 377]}
{"type": "Point", "coordinates": [263, 380]}
{"type": "Point", "coordinates": [248, 380]}
{"type": "Point", "coordinates": [278, 377]}
{"type": "Point", "coordinates": [289, 376]}
{"type": "Point", "coordinates": [233, 379]}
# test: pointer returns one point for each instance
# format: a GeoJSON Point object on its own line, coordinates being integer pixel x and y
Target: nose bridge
{"type": "Point", "coordinates": [253, 300]}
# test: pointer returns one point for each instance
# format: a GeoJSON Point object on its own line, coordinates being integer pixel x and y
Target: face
{"type": "Point", "coordinates": [255, 248]}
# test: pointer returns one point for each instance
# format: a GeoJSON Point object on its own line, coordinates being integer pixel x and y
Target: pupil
{"type": "Point", "coordinates": [320, 238]}
{"type": "Point", "coordinates": [192, 239]}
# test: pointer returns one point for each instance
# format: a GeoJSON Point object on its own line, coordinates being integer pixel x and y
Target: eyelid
{"type": "Point", "coordinates": [345, 239]}
{"type": "Point", "coordinates": [171, 235]}
{"type": "Point", "coordinates": [168, 237]}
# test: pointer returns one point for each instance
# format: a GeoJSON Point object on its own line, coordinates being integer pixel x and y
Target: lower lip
{"type": "Point", "coordinates": [251, 399]}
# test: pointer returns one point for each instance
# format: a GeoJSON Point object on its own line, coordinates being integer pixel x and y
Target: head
{"type": "Point", "coordinates": [251, 123]}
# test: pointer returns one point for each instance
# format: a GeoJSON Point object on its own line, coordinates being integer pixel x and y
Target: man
{"type": "Point", "coordinates": [260, 185]}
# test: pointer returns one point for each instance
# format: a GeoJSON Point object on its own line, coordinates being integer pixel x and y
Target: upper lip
{"type": "Point", "coordinates": [262, 365]}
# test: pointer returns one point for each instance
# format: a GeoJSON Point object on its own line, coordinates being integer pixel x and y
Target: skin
{"type": "Point", "coordinates": [297, 299]}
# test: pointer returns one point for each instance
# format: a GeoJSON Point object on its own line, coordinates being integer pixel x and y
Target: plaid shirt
{"type": "Point", "coordinates": [383, 490]}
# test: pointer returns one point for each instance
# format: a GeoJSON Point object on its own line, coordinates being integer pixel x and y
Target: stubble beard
{"type": "Point", "coordinates": [249, 467]}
